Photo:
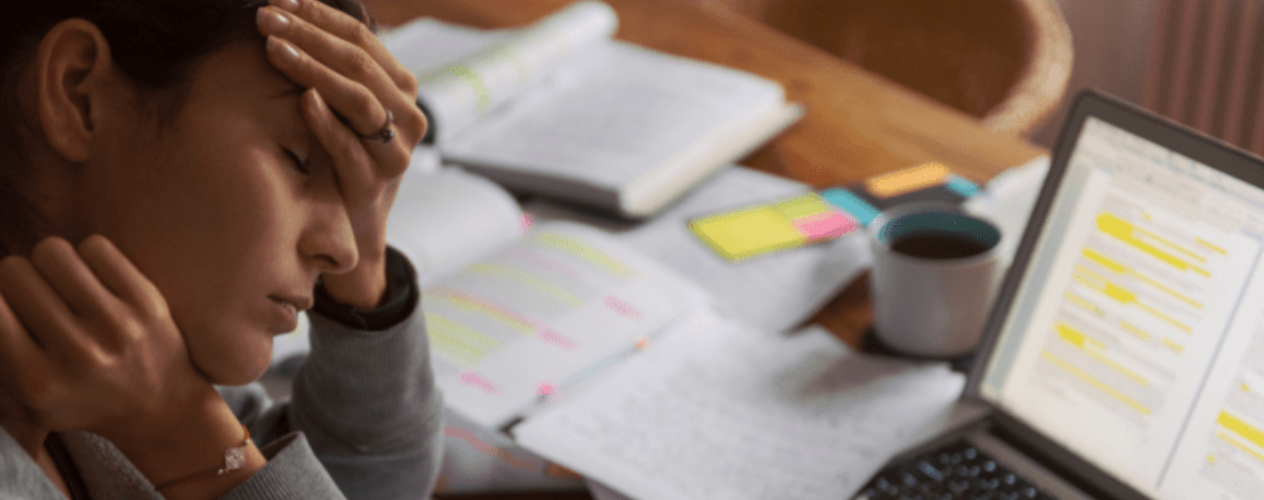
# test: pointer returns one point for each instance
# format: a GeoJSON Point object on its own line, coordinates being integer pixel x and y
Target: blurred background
{"type": "Point", "coordinates": [1007, 62]}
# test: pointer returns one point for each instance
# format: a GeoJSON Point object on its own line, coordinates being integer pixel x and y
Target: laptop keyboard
{"type": "Point", "coordinates": [954, 471]}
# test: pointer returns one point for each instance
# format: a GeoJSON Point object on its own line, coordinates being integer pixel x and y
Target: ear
{"type": "Point", "coordinates": [74, 69]}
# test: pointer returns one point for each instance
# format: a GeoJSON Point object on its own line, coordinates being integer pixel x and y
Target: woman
{"type": "Point", "coordinates": [177, 177]}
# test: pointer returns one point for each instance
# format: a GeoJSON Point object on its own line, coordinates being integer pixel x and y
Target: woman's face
{"type": "Point", "coordinates": [213, 209]}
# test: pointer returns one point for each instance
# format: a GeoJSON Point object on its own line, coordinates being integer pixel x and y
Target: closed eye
{"type": "Point", "coordinates": [298, 162]}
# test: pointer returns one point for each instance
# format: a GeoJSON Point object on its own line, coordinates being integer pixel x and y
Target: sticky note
{"type": "Point", "coordinates": [748, 232]}
{"type": "Point", "coordinates": [826, 225]}
{"type": "Point", "coordinates": [852, 204]}
{"type": "Point", "coordinates": [909, 179]}
{"type": "Point", "coordinates": [962, 186]}
{"type": "Point", "coordinates": [802, 206]}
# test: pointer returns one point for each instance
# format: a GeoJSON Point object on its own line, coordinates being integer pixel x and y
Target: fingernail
{"type": "Point", "coordinates": [290, 5]}
{"type": "Point", "coordinates": [284, 49]}
{"type": "Point", "coordinates": [273, 21]}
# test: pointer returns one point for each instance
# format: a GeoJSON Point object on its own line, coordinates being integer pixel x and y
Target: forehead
{"type": "Point", "coordinates": [241, 71]}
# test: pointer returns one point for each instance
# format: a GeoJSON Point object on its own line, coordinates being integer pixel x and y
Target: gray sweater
{"type": "Point", "coordinates": [364, 420]}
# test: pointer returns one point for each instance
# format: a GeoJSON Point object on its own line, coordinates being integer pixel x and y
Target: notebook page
{"type": "Point", "coordinates": [466, 74]}
{"type": "Point", "coordinates": [446, 220]}
{"type": "Point", "coordinates": [543, 315]}
{"type": "Point", "coordinates": [717, 410]}
{"type": "Point", "coordinates": [615, 114]}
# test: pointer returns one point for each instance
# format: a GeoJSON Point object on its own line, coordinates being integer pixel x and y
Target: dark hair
{"type": "Point", "coordinates": [157, 43]}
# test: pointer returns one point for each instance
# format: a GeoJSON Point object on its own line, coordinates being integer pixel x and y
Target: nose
{"type": "Point", "coordinates": [328, 239]}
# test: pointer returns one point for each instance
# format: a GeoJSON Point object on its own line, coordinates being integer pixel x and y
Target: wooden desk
{"type": "Point", "coordinates": [857, 124]}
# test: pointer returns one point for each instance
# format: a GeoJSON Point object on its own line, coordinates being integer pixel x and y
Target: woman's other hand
{"type": "Point", "coordinates": [356, 90]}
{"type": "Point", "coordinates": [87, 342]}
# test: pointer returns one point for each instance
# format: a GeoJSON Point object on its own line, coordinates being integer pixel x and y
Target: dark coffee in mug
{"type": "Point", "coordinates": [930, 246]}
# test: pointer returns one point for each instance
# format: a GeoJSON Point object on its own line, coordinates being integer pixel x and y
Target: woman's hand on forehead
{"type": "Point", "coordinates": [350, 75]}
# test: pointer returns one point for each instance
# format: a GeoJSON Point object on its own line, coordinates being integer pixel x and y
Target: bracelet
{"type": "Point", "coordinates": [234, 458]}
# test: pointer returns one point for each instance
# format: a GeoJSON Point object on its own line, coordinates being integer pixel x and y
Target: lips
{"type": "Point", "coordinates": [285, 313]}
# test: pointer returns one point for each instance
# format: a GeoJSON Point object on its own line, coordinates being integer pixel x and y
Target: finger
{"type": "Point", "coordinates": [38, 308]}
{"type": "Point", "coordinates": [338, 54]}
{"type": "Point", "coordinates": [23, 363]}
{"type": "Point", "coordinates": [352, 163]}
{"type": "Point", "coordinates": [355, 102]}
{"type": "Point", "coordinates": [73, 281]}
{"type": "Point", "coordinates": [355, 31]}
{"type": "Point", "coordinates": [352, 62]}
{"type": "Point", "coordinates": [118, 275]}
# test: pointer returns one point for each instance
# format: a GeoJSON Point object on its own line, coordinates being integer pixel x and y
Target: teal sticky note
{"type": "Point", "coordinates": [852, 204]}
{"type": "Point", "coordinates": [962, 186]}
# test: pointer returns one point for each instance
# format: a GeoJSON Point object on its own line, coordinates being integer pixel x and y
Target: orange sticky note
{"type": "Point", "coordinates": [909, 179]}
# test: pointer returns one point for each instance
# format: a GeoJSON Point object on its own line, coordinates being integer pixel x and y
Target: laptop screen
{"type": "Point", "coordinates": [1136, 336]}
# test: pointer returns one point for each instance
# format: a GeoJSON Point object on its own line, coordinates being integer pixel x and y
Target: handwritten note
{"type": "Point", "coordinates": [718, 410]}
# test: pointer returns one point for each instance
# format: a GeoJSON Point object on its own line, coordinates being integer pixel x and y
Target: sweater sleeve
{"type": "Point", "coordinates": [367, 411]}
{"type": "Point", "coordinates": [367, 401]}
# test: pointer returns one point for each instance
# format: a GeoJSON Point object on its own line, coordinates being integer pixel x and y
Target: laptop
{"type": "Point", "coordinates": [1124, 357]}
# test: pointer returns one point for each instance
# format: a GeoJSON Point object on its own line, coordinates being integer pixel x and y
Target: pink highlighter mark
{"type": "Point", "coordinates": [825, 225]}
{"type": "Point", "coordinates": [623, 308]}
{"type": "Point", "coordinates": [558, 339]}
{"type": "Point", "coordinates": [547, 389]}
{"type": "Point", "coordinates": [643, 343]}
{"type": "Point", "coordinates": [527, 222]}
{"type": "Point", "coordinates": [473, 378]}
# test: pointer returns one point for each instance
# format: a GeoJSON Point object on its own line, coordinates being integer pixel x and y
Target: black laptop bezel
{"type": "Point", "coordinates": [1178, 138]}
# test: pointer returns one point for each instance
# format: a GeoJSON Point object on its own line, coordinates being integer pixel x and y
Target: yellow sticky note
{"type": "Point", "coordinates": [749, 232]}
{"type": "Point", "coordinates": [803, 206]}
{"type": "Point", "coordinates": [909, 179]}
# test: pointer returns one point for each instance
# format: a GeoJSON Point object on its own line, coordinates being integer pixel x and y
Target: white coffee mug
{"type": "Point", "coordinates": [936, 270]}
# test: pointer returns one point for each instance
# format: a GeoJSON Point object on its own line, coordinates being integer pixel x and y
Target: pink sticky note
{"type": "Point", "coordinates": [825, 225]}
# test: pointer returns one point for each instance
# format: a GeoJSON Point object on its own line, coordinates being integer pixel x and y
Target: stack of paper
{"type": "Point", "coordinates": [718, 410]}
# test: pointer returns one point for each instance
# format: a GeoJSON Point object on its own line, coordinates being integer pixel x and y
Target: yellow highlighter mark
{"type": "Point", "coordinates": [1211, 246]}
{"type": "Point", "coordinates": [476, 83]}
{"type": "Point", "coordinates": [1118, 268]}
{"type": "Point", "coordinates": [1240, 445]}
{"type": "Point", "coordinates": [1171, 245]}
{"type": "Point", "coordinates": [1171, 344]}
{"type": "Point", "coordinates": [1078, 338]}
{"type": "Point", "coordinates": [1085, 304]}
{"type": "Point", "coordinates": [1133, 329]}
{"type": "Point", "coordinates": [1167, 319]}
{"type": "Point", "coordinates": [1093, 381]}
{"type": "Point", "coordinates": [583, 251]}
{"type": "Point", "coordinates": [457, 341]}
{"type": "Point", "coordinates": [1093, 348]}
{"type": "Point", "coordinates": [1126, 232]}
{"type": "Point", "coordinates": [1124, 296]}
{"type": "Point", "coordinates": [1090, 279]}
{"type": "Point", "coordinates": [1097, 282]}
{"type": "Point", "coordinates": [1105, 261]}
{"type": "Point", "coordinates": [528, 279]}
{"type": "Point", "coordinates": [1179, 296]}
{"type": "Point", "coordinates": [492, 311]}
{"type": "Point", "coordinates": [1241, 428]}
{"type": "Point", "coordinates": [910, 179]}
